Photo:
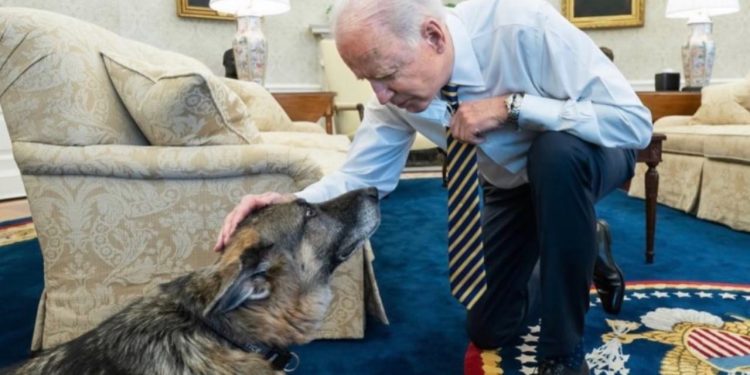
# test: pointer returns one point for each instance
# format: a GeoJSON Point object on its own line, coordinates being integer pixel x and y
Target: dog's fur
{"type": "Point", "coordinates": [269, 286]}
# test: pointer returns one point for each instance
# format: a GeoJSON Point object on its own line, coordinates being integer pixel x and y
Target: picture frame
{"type": "Point", "coordinates": [199, 9]}
{"type": "Point", "coordinates": [601, 14]}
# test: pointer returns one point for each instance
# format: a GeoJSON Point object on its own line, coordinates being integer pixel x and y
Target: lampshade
{"type": "Point", "coordinates": [693, 8]}
{"type": "Point", "coordinates": [250, 7]}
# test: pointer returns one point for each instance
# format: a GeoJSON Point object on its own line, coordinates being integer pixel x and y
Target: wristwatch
{"type": "Point", "coordinates": [513, 105]}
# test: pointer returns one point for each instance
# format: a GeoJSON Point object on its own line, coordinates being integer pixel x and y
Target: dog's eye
{"type": "Point", "coordinates": [310, 212]}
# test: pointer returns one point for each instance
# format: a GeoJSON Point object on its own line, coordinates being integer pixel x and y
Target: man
{"type": "Point", "coordinates": [555, 124]}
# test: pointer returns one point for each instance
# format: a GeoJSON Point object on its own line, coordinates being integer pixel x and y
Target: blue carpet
{"type": "Point", "coordinates": [21, 280]}
{"type": "Point", "coordinates": [426, 334]}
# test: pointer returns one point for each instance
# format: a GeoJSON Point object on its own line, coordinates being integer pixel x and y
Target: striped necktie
{"type": "Point", "coordinates": [465, 247]}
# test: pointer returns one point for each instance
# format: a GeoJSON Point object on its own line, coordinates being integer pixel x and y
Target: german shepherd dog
{"type": "Point", "coordinates": [268, 290]}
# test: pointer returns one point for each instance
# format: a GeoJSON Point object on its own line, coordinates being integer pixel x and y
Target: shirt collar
{"type": "Point", "coordinates": [466, 70]}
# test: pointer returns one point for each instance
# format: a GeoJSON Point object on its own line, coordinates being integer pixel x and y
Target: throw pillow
{"type": "Point", "coordinates": [180, 106]}
{"type": "Point", "coordinates": [265, 110]}
{"type": "Point", "coordinates": [724, 104]}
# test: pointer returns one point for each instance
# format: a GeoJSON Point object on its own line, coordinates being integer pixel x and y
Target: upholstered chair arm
{"type": "Point", "coordinates": [152, 162]}
{"type": "Point", "coordinates": [322, 141]}
{"type": "Point", "coordinates": [670, 121]}
{"type": "Point", "coordinates": [306, 127]}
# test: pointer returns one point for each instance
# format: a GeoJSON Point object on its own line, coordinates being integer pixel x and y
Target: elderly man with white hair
{"type": "Point", "coordinates": [538, 112]}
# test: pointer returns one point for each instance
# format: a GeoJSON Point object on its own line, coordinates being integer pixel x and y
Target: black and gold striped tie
{"type": "Point", "coordinates": [465, 247]}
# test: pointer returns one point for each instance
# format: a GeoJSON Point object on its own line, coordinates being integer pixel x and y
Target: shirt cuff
{"type": "Point", "coordinates": [314, 193]}
{"type": "Point", "coordinates": [540, 114]}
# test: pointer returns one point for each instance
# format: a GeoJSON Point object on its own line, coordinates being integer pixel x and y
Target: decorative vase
{"type": "Point", "coordinates": [250, 49]}
{"type": "Point", "coordinates": [698, 56]}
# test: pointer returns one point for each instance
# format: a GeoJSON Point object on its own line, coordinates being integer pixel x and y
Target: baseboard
{"type": "Point", "coordinates": [293, 87]}
{"type": "Point", "coordinates": [648, 84]}
{"type": "Point", "coordinates": [11, 184]}
{"type": "Point", "coordinates": [11, 187]}
{"type": "Point", "coordinates": [637, 84]}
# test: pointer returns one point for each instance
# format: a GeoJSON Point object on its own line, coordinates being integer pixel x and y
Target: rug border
{"type": "Point", "coordinates": [15, 222]}
{"type": "Point", "coordinates": [682, 284]}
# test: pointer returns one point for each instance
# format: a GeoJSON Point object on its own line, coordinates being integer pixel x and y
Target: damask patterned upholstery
{"type": "Point", "coordinates": [725, 104]}
{"type": "Point", "coordinates": [706, 158]}
{"type": "Point", "coordinates": [180, 107]}
{"type": "Point", "coordinates": [117, 215]}
{"type": "Point", "coordinates": [267, 114]}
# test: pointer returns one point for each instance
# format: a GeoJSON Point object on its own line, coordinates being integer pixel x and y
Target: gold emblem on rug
{"type": "Point", "coordinates": [703, 343]}
{"type": "Point", "coordinates": [709, 334]}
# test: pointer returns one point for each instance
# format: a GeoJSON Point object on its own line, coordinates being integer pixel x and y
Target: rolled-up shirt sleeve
{"type": "Point", "coordinates": [376, 157]}
{"type": "Point", "coordinates": [580, 91]}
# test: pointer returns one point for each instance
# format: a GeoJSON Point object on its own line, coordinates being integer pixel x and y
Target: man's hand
{"type": "Point", "coordinates": [474, 118]}
{"type": "Point", "coordinates": [247, 205]}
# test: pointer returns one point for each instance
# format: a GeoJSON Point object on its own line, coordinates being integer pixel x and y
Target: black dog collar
{"type": "Point", "coordinates": [281, 359]}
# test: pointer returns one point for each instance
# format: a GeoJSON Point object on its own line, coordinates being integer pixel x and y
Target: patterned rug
{"type": "Point", "coordinates": [16, 231]}
{"type": "Point", "coordinates": [664, 328]}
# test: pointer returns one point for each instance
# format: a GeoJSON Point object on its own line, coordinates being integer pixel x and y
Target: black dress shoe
{"type": "Point", "coordinates": [608, 279]}
{"type": "Point", "coordinates": [556, 368]}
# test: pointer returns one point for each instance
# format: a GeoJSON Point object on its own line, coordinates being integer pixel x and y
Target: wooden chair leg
{"type": "Point", "coordinates": [652, 189]}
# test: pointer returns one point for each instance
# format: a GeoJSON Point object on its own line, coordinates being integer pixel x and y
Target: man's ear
{"type": "Point", "coordinates": [434, 33]}
{"type": "Point", "coordinates": [243, 279]}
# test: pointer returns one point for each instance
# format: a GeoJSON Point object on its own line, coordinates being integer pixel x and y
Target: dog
{"type": "Point", "coordinates": [268, 290]}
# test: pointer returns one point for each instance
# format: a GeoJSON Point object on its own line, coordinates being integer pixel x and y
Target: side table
{"type": "Point", "coordinates": [668, 103]}
{"type": "Point", "coordinates": [660, 103]}
{"type": "Point", "coordinates": [651, 155]}
{"type": "Point", "coordinates": [308, 106]}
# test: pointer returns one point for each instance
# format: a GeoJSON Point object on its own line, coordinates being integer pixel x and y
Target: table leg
{"type": "Point", "coordinates": [652, 191]}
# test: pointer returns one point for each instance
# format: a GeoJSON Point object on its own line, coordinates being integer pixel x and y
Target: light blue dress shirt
{"type": "Point", "coordinates": [502, 47]}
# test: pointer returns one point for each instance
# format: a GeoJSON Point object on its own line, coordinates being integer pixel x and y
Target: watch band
{"type": "Point", "coordinates": [513, 105]}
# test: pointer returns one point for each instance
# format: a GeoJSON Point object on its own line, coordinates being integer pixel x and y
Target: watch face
{"type": "Point", "coordinates": [512, 104]}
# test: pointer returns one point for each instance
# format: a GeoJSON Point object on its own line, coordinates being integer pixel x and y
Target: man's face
{"type": "Point", "coordinates": [405, 76]}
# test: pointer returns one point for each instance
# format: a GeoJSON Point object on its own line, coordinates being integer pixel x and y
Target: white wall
{"type": "Point", "coordinates": [641, 52]}
{"type": "Point", "coordinates": [10, 178]}
{"type": "Point", "coordinates": [294, 64]}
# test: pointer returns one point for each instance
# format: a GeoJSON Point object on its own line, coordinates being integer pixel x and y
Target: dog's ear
{"type": "Point", "coordinates": [243, 279]}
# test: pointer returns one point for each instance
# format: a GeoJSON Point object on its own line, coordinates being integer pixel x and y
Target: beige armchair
{"type": "Point", "coordinates": [119, 200]}
{"type": "Point", "coordinates": [705, 168]}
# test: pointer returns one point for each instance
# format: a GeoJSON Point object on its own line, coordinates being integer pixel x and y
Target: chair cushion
{"type": "Point", "coordinates": [683, 142]}
{"type": "Point", "coordinates": [670, 121]}
{"type": "Point", "coordinates": [180, 106]}
{"type": "Point", "coordinates": [724, 104]}
{"type": "Point", "coordinates": [713, 141]}
{"type": "Point", "coordinates": [266, 112]}
{"type": "Point", "coordinates": [320, 141]}
{"type": "Point", "coordinates": [306, 127]}
{"type": "Point", "coordinates": [731, 144]}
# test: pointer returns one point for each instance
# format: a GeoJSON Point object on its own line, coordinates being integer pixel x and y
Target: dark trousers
{"type": "Point", "coordinates": [550, 220]}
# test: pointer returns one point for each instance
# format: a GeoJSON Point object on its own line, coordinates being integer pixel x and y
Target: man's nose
{"type": "Point", "coordinates": [382, 92]}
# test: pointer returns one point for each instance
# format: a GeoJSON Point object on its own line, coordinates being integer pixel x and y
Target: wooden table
{"type": "Point", "coordinates": [668, 103]}
{"type": "Point", "coordinates": [651, 155]}
{"type": "Point", "coordinates": [660, 103]}
{"type": "Point", "coordinates": [308, 106]}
